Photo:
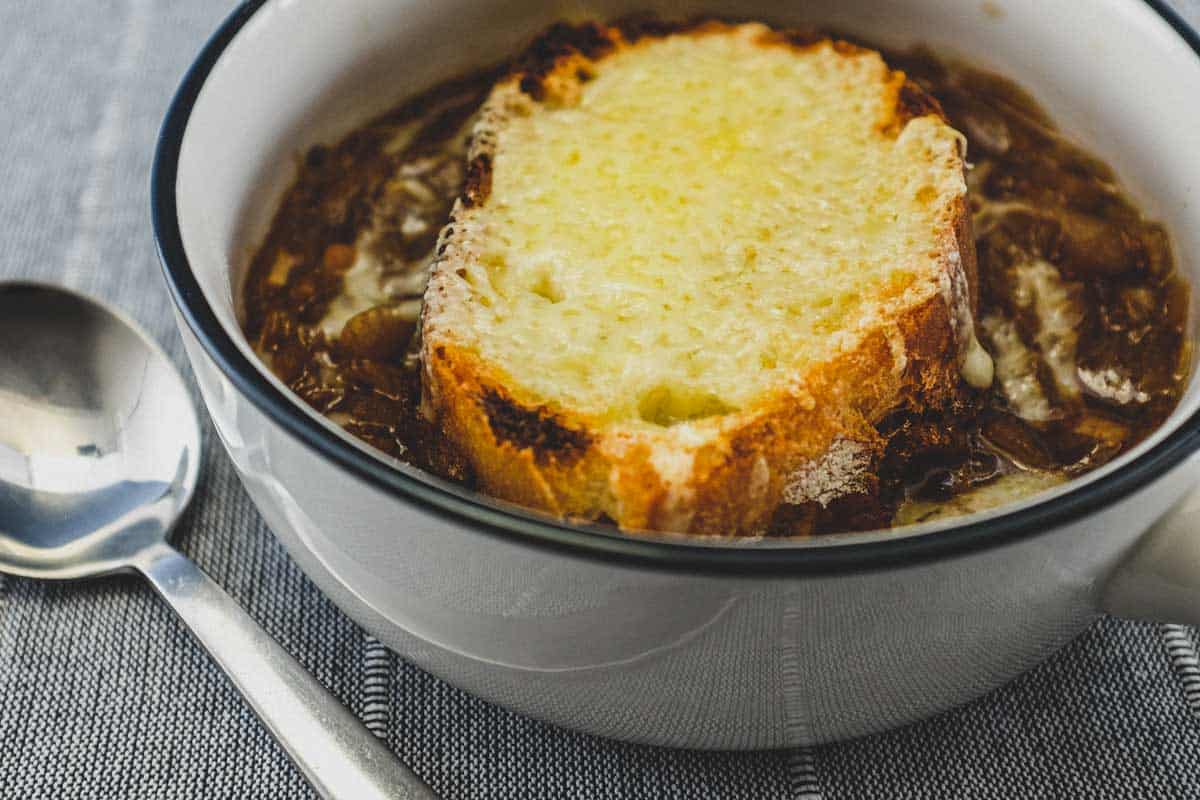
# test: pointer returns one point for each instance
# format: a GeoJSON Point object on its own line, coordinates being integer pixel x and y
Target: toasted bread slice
{"type": "Point", "coordinates": [692, 268]}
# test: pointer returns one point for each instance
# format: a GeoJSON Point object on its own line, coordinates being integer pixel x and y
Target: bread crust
{"type": "Point", "coordinates": [722, 476]}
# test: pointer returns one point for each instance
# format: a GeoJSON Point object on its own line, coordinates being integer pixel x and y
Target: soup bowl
{"type": "Point", "coordinates": [702, 643]}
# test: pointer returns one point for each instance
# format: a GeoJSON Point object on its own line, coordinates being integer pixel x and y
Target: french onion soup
{"type": "Point", "coordinates": [724, 279]}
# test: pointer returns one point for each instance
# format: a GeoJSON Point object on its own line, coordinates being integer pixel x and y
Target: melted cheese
{"type": "Point", "coordinates": [1113, 385]}
{"type": "Point", "coordinates": [978, 369]}
{"type": "Point", "coordinates": [1040, 286]}
{"type": "Point", "coordinates": [711, 216]}
{"type": "Point", "coordinates": [1016, 369]}
{"type": "Point", "coordinates": [361, 290]}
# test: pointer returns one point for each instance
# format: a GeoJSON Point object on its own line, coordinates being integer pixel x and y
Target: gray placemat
{"type": "Point", "coordinates": [102, 693]}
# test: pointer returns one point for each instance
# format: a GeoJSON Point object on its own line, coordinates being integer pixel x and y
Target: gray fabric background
{"type": "Point", "coordinates": [102, 694]}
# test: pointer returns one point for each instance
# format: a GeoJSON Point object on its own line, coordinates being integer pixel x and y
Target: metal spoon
{"type": "Point", "coordinates": [99, 454]}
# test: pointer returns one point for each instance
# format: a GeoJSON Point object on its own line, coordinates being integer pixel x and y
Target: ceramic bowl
{"type": "Point", "coordinates": [665, 640]}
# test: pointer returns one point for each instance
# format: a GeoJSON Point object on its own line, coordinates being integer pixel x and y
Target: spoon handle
{"type": "Point", "coordinates": [337, 754]}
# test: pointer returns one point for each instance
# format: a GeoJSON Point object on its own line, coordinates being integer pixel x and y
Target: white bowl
{"type": "Point", "coordinates": [665, 640]}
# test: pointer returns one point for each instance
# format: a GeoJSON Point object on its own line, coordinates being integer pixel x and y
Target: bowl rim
{"type": "Point", "coordinates": [670, 554]}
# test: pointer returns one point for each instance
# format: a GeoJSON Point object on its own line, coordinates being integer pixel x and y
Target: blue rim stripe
{"type": "Point", "coordinates": [456, 506]}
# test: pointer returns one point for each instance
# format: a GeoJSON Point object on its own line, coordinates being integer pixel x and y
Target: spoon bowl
{"type": "Point", "coordinates": [99, 441]}
{"type": "Point", "coordinates": [99, 455]}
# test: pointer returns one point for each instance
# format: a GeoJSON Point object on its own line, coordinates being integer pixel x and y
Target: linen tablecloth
{"type": "Point", "coordinates": [104, 695]}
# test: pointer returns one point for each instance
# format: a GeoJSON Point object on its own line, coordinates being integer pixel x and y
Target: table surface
{"type": "Point", "coordinates": [102, 694]}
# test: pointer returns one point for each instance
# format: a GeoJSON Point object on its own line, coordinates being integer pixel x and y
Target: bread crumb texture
{"type": "Point", "coordinates": [706, 218]}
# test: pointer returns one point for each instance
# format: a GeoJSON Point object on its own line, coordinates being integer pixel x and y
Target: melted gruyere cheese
{"type": "Point", "coordinates": [708, 217]}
